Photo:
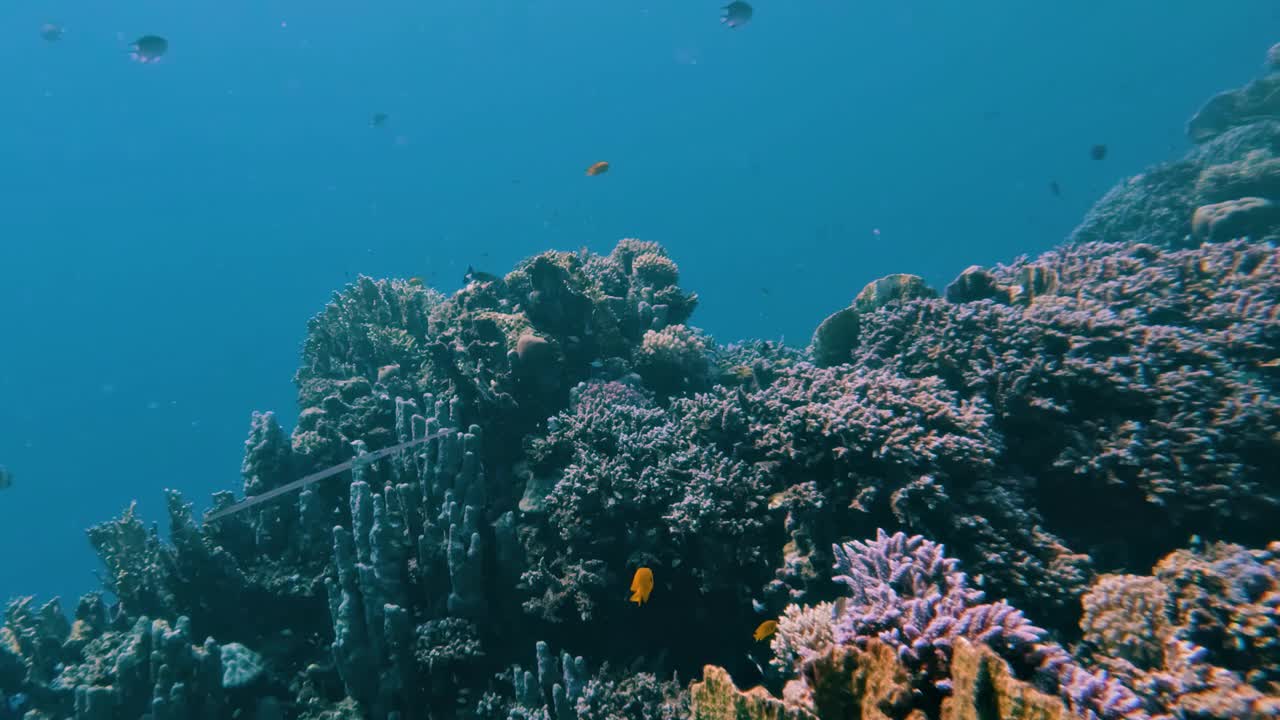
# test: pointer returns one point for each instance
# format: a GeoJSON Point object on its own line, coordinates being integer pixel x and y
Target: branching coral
{"type": "Point", "coordinates": [906, 593]}
{"type": "Point", "coordinates": [1200, 636]}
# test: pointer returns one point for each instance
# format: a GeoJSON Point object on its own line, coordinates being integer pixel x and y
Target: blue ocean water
{"type": "Point", "coordinates": [167, 229]}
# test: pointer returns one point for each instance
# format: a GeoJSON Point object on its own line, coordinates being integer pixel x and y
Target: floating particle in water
{"type": "Point", "coordinates": [51, 32]}
{"type": "Point", "coordinates": [149, 48]}
{"type": "Point", "coordinates": [1098, 152]}
{"type": "Point", "coordinates": [736, 14]}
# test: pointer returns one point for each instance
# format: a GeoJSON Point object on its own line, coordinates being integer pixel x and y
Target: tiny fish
{"type": "Point", "coordinates": [1098, 152]}
{"type": "Point", "coordinates": [415, 281]}
{"type": "Point", "coordinates": [1054, 188]}
{"type": "Point", "coordinates": [765, 629]}
{"type": "Point", "coordinates": [379, 119]}
{"type": "Point", "coordinates": [736, 14]}
{"type": "Point", "coordinates": [6, 478]}
{"type": "Point", "coordinates": [149, 48]}
{"type": "Point", "coordinates": [51, 32]}
{"type": "Point", "coordinates": [599, 168]}
{"type": "Point", "coordinates": [473, 275]}
{"type": "Point", "coordinates": [1269, 363]}
{"type": "Point", "coordinates": [641, 585]}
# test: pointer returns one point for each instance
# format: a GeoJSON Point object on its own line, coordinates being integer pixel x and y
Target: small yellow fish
{"type": "Point", "coordinates": [599, 168]}
{"type": "Point", "coordinates": [1269, 363]}
{"type": "Point", "coordinates": [641, 585]}
{"type": "Point", "coordinates": [765, 629]}
{"type": "Point", "coordinates": [415, 281]}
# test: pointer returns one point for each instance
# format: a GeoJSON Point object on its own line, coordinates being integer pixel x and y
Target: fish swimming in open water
{"type": "Point", "coordinates": [149, 48]}
{"type": "Point", "coordinates": [736, 14]}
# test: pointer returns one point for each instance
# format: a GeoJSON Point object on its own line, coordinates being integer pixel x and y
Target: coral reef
{"type": "Point", "coordinates": [1062, 423]}
{"type": "Point", "coordinates": [1201, 634]}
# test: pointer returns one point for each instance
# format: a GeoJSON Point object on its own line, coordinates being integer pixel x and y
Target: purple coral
{"type": "Point", "coordinates": [905, 592]}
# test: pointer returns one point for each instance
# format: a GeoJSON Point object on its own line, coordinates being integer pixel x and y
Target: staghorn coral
{"type": "Point", "coordinates": [911, 451]}
{"type": "Point", "coordinates": [872, 683]}
{"type": "Point", "coordinates": [804, 632]}
{"type": "Point", "coordinates": [1113, 389]}
{"type": "Point", "coordinates": [906, 593]}
{"type": "Point", "coordinates": [1199, 636]}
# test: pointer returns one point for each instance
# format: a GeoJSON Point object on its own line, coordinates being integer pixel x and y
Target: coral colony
{"type": "Point", "coordinates": [566, 502]}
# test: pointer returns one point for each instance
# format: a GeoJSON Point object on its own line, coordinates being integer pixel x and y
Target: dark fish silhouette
{"type": "Point", "coordinates": [736, 14]}
{"type": "Point", "coordinates": [149, 48]}
{"type": "Point", "coordinates": [1098, 152]}
{"type": "Point", "coordinates": [6, 478]}
{"type": "Point", "coordinates": [378, 119]}
{"type": "Point", "coordinates": [1054, 188]}
{"type": "Point", "coordinates": [474, 275]}
{"type": "Point", "coordinates": [51, 32]}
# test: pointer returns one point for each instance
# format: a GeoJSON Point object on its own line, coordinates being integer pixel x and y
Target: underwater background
{"type": "Point", "coordinates": [167, 230]}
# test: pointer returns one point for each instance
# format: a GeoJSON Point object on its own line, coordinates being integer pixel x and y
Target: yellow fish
{"type": "Point", "coordinates": [599, 168]}
{"type": "Point", "coordinates": [641, 585]}
{"type": "Point", "coordinates": [415, 281]}
{"type": "Point", "coordinates": [765, 629]}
